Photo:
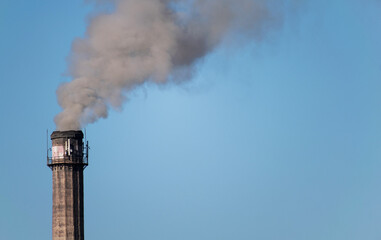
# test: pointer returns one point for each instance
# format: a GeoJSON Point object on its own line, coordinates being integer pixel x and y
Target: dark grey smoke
{"type": "Point", "coordinates": [150, 40]}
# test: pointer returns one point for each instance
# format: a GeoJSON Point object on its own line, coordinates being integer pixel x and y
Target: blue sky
{"type": "Point", "coordinates": [277, 139]}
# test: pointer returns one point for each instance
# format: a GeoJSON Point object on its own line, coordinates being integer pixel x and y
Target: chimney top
{"type": "Point", "coordinates": [76, 134]}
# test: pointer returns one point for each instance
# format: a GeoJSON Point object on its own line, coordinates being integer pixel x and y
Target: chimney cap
{"type": "Point", "coordinates": [76, 134]}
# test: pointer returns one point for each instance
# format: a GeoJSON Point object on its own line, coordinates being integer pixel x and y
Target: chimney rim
{"type": "Point", "coordinates": [76, 134]}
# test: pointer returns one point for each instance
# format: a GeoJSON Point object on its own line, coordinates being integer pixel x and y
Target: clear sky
{"type": "Point", "coordinates": [278, 139]}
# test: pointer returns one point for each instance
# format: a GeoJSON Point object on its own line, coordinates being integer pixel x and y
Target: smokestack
{"type": "Point", "coordinates": [69, 159]}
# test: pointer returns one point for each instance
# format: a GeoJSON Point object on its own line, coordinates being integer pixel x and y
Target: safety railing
{"type": "Point", "coordinates": [74, 158]}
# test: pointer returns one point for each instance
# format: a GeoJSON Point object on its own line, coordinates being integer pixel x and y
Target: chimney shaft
{"type": "Point", "coordinates": [67, 164]}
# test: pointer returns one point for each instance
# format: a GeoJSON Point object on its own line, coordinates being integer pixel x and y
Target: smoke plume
{"type": "Point", "coordinates": [158, 41]}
